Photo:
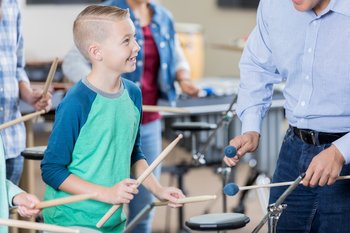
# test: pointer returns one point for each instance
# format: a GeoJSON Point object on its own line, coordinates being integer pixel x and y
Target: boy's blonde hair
{"type": "Point", "coordinates": [91, 25]}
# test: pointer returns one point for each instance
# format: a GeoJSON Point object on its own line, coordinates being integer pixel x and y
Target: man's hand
{"type": "Point", "coordinates": [324, 168]}
{"type": "Point", "coordinates": [247, 142]}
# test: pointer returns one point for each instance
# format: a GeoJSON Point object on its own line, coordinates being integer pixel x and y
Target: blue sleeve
{"type": "Point", "coordinates": [135, 95]}
{"type": "Point", "coordinates": [70, 116]}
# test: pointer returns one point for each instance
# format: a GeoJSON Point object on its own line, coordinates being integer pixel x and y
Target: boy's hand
{"type": "Point", "coordinates": [26, 204]}
{"type": "Point", "coordinates": [121, 193]}
{"type": "Point", "coordinates": [170, 194]}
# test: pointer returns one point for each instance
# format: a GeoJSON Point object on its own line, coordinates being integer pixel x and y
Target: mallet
{"type": "Point", "coordinates": [232, 189]}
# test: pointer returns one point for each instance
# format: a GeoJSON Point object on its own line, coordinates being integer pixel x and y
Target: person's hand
{"type": "Point", "coordinates": [35, 97]}
{"type": "Point", "coordinates": [324, 168]}
{"type": "Point", "coordinates": [26, 204]}
{"type": "Point", "coordinates": [188, 87]}
{"type": "Point", "coordinates": [121, 193]}
{"type": "Point", "coordinates": [247, 142]}
{"type": "Point", "coordinates": [170, 194]}
{"type": "Point", "coordinates": [40, 102]}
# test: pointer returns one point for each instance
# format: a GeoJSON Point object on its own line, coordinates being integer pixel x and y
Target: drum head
{"type": "Point", "coordinates": [214, 222]}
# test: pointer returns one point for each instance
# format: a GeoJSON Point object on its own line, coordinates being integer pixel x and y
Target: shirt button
{"type": "Point", "coordinates": [309, 50]}
{"type": "Point", "coordinates": [162, 44]}
{"type": "Point", "coordinates": [1, 109]}
{"type": "Point", "coordinates": [314, 23]}
{"type": "Point", "coordinates": [139, 63]}
{"type": "Point", "coordinates": [164, 66]}
{"type": "Point", "coordinates": [302, 103]}
{"type": "Point", "coordinates": [307, 77]}
{"type": "Point", "coordinates": [1, 89]}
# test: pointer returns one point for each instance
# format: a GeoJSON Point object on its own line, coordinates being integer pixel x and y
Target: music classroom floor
{"type": "Point", "coordinates": [198, 181]}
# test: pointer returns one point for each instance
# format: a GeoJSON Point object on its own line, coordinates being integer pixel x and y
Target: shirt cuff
{"type": "Point", "coordinates": [251, 122]}
{"type": "Point", "coordinates": [343, 146]}
{"type": "Point", "coordinates": [12, 191]}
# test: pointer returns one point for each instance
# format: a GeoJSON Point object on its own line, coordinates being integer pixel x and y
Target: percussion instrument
{"type": "Point", "coordinates": [232, 189]}
{"type": "Point", "coordinates": [34, 153]}
{"type": "Point", "coordinates": [217, 222]}
{"type": "Point", "coordinates": [192, 42]}
{"type": "Point", "coordinates": [148, 208]}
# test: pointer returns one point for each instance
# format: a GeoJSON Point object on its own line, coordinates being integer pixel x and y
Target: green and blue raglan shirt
{"type": "Point", "coordinates": [96, 136]}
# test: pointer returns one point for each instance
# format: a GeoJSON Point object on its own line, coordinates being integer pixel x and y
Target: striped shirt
{"type": "Point", "coordinates": [11, 72]}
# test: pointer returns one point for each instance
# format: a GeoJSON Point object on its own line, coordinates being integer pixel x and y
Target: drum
{"type": "Point", "coordinates": [34, 153]}
{"type": "Point", "coordinates": [192, 43]}
{"type": "Point", "coordinates": [217, 222]}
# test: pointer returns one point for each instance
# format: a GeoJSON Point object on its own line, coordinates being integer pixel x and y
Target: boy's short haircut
{"type": "Point", "coordinates": [91, 25]}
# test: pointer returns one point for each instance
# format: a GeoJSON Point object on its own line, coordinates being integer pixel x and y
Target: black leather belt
{"type": "Point", "coordinates": [316, 138]}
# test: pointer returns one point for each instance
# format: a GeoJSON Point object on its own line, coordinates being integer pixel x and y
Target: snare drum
{"type": "Point", "coordinates": [217, 222]}
{"type": "Point", "coordinates": [34, 153]}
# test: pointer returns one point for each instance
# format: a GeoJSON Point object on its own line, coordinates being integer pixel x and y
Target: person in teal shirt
{"type": "Point", "coordinates": [11, 195]}
{"type": "Point", "coordinates": [95, 142]}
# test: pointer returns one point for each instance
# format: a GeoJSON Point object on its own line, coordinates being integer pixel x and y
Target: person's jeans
{"type": "Point", "coordinates": [151, 144]}
{"type": "Point", "coordinates": [321, 209]}
{"type": "Point", "coordinates": [14, 168]}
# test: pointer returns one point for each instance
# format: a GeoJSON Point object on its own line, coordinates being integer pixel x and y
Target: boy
{"type": "Point", "coordinates": [11, 195]}
{"type": "Point", "coordinates": [97, 127]}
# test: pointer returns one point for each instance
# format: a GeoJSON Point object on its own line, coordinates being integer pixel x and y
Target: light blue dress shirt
{"type": "Point", "coordinates": [311, 53]}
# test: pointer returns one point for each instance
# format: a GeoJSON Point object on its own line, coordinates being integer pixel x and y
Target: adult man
{"type": "Point", "coordinates": [305, 43]}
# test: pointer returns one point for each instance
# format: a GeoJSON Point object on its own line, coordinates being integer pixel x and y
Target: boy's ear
{"type": "Point", "coordinates": [95, 52]}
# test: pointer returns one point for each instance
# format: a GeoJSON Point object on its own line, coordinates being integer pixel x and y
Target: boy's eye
{"type": "Point", "coordinates": [126, 41]}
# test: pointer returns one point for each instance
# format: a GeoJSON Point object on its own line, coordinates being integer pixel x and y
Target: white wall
{"type": "Point", "coordinates": [220, 26]}
{"type": "Point", "coordinates": [48, 30]}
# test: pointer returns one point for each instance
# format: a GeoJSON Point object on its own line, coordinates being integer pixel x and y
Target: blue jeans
{"type": "Point", "coordinates": [151, 144]}
{"type": "Point", "coordinates": [321, 209]}
{"type": "Point", "coordinates": [14, 168]}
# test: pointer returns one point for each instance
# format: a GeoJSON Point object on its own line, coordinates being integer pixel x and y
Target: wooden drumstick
{"type": "Point", "coordinates": [187, 200]}
{"type": "Point", "coordinates": [50, 76]}
{"type": "Point", "coordinates": [64, 200]}
{"type": "Point", "coordinates": [154, 108]}
{"type": "Point", "coordinates": [141, 178]}
{"type": "Point", "coordinates": [36, 226]}
{"type": "Point", "coordinates": [45, 90]}
{"type": "Point", "coordinates": [21, 119]}
{"type": "Point", "coordinates": [232, 188]}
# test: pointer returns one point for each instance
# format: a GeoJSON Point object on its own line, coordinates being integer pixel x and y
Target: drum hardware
{"type": "Point", "coordinates": [148, 208]}
{"type": "Point", "coordinates": [275, 210]}
{"type": "Point", "coordinates": [198, 155]}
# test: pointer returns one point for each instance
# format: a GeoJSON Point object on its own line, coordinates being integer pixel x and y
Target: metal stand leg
{"type": "Point", "coordinates": [274, 211]}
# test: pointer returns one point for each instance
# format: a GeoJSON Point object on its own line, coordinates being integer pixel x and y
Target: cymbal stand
{"type": "Point", "coordinates": [275, 210]}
